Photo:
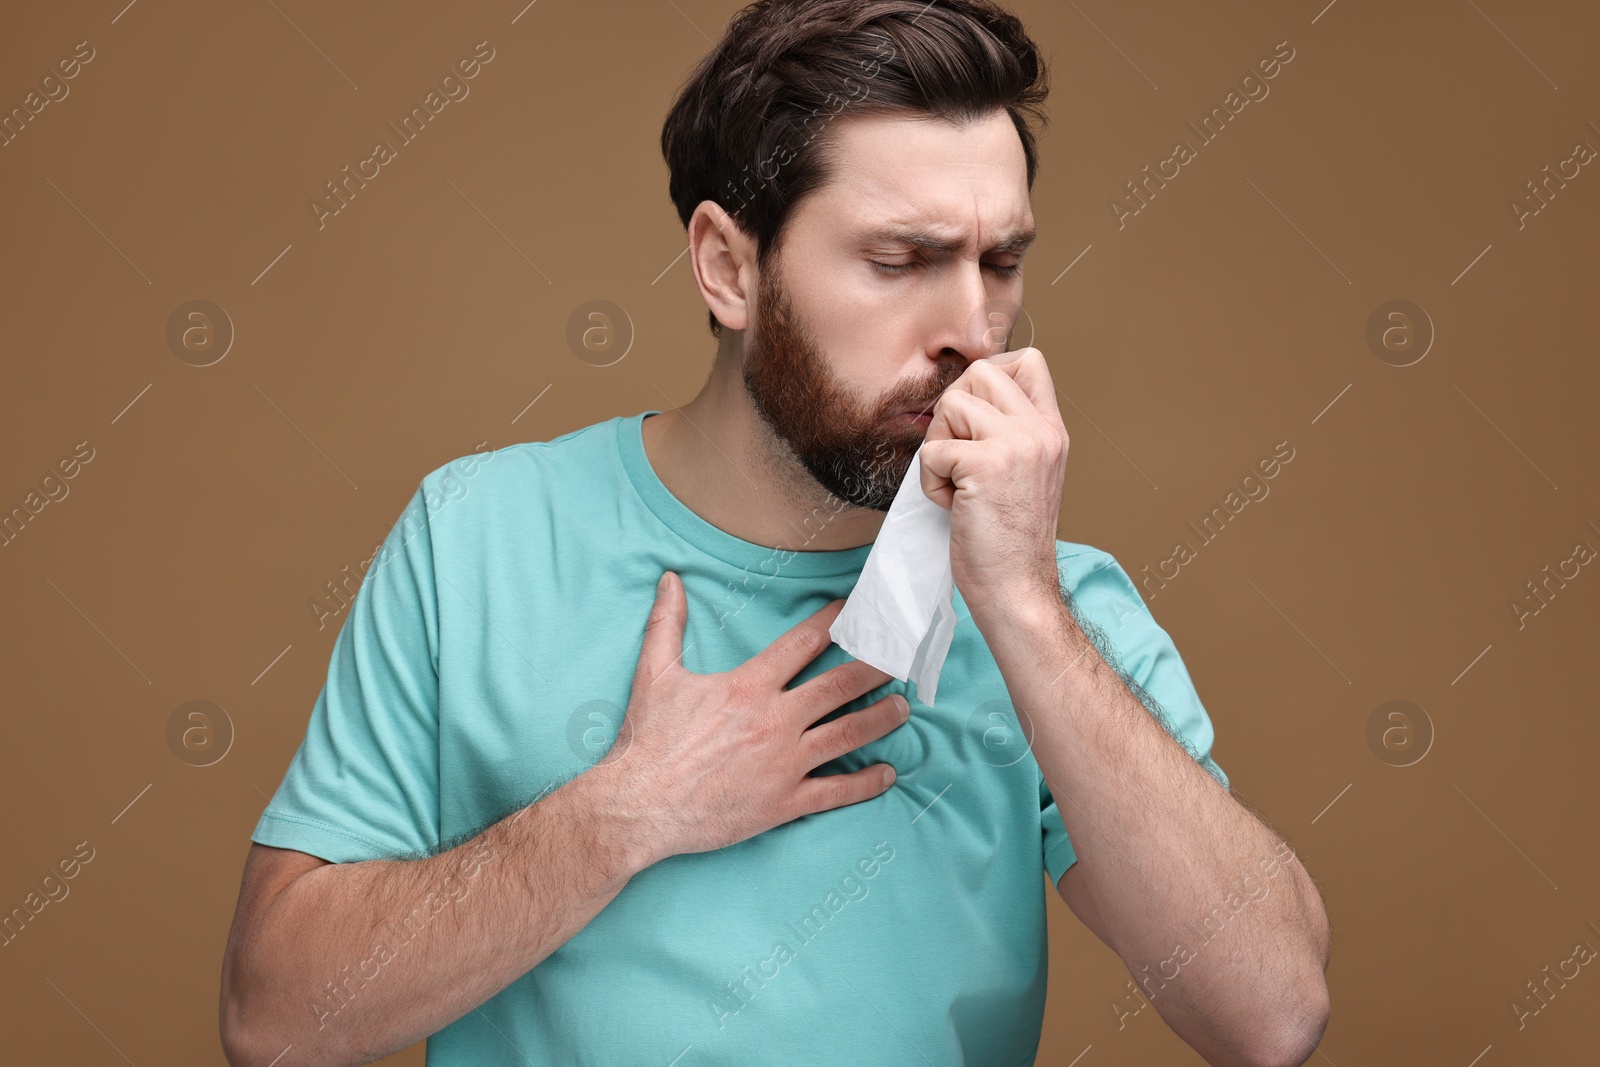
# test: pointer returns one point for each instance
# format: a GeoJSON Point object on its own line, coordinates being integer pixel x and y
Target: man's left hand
{"type": "Point", "coordinates": [995, 456]}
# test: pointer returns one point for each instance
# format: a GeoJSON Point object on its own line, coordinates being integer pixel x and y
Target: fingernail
{"type": "Point", "coordinates": [905, 707]}
{"type": "Point", "coordinates": [888, 776]}
{"type": "Point", "coordinates": [662, 584]}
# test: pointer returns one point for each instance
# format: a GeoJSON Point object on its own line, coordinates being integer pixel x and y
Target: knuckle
{"type": "Point", "coordinates": [742, 691]}
{"type": "Point", "coordinates": [786, 810]}
{"type": "Point", "coordinates": [854, 730]}
{"type": "Point", "coordinates": [797, 802]}
{"type": "Point", "coordinates": [763, 727]}
{"type": "Point", "coordinates": [837, 791]}
{"type": "Point", "coordinates": [805, 641]}
{"type": "Point", "coordinates": [654, 623]}
{"type": "Point", "coordinates": [837, 686]}
{"type": "Point", "coordinates": [815, 638]}
{"type": "Point", "coordinates": [795, 641]}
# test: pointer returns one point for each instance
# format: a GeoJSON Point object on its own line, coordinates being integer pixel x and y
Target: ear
{"type": "Point", "coordinates": [723, 259]}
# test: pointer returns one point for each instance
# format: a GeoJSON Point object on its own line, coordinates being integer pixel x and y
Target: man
{"type": "Point", "coordinates": [588, 784]}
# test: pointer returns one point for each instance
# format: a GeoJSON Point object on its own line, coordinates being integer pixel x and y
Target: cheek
{"type": "Point", "coordinates": [865, 332]}
{"type": "Point", "coordinates": [861, 353]}
{"type": "Point", "coordinates": [838, 311]}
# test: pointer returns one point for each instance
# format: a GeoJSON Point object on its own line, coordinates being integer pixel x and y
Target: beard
{"type": "Point", "coordinates": [859, 450]}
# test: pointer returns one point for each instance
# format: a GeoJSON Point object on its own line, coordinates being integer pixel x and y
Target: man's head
{"type": "Point", "coordinates": [884, 148]}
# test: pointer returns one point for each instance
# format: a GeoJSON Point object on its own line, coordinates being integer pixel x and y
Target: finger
{"type": "Point", "coordinates": [1031, 373]}
{"type": "Point", "coordinates": [962, 414]}
{"type": "Point", "coordinates": [993, 382]}
{"type": "Point", "coordinates": [849, 732]}
{"type": "Point", "coordinates": [834, 688]}
{"type": "Point", "coordinates": [780, 661]}
{"type": "Point", "coordinates": [823, 792]}
{"type": "Point", "coordinates": [663, 630]}
{"type": "Point", "coordinates": [944, 465]}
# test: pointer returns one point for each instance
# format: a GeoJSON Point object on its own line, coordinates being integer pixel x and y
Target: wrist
{"type": "Point", "coordinates": [1026, 634]}
{"type": "Point", "coordinates": [620, 821]}
{"type": "Point", "coordinates": [1025, 612]}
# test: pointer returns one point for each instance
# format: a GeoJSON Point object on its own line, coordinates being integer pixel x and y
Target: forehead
{"type": "Point", "coordinates": [967, 181]}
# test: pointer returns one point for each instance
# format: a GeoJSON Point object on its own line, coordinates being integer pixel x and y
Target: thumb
{"type": "Point", "coordinates": [938, 471]}
{"type": "Point", "coordinates": [663, 630]}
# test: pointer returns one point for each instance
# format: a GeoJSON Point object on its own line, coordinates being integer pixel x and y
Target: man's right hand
{"type": "Point", "coordinates": [703, 761]}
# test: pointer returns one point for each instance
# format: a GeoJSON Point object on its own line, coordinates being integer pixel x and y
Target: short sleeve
{"type": "Point", "coordinates": [364, 783]}
{"type": "Point", "coordinates": [1104, 599]}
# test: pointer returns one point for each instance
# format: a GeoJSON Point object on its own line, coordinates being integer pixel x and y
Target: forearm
{"type": "Point", "coordinates": [353, 961]}
{"type": "Point", "coordinates": [1214, 916]}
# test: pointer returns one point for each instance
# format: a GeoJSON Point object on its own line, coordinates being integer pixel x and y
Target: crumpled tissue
{"type": "Point", "coordinates": [900, 617]}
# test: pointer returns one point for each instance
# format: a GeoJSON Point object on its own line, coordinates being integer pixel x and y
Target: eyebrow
{"type": "Point", "coordinates": [934, 241]}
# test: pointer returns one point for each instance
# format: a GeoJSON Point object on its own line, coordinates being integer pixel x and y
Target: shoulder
{"type": "Point", "coordinates": [522, 473]}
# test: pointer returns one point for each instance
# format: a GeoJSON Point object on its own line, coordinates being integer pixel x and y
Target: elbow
{"type": "Point", "coordinates": [236, 1049]}
{"type": "Point", "coordinates": [248, 1040]}
{"type": "Point", "coordinates": [1301, 1022]}
{"type": "Point", "coordinates": [1302, 1014]}
{"type": "Point", "coordinates": [230, 1021]}
{"type": "Point", "coordinates": [251, 1038]}
{"type": "Point", "coordinates": [236, 1026]}
{"type": "Point", "coordinates": [237, 1032]}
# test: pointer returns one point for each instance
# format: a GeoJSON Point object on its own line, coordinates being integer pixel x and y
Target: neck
{"type": "Point", "coordinates": [717, 456]}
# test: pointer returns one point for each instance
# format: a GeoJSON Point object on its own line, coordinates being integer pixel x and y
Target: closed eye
{"type": "Point", "coordinates": [905, 268]}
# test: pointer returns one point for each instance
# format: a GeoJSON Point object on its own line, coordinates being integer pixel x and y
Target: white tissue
{"type": "Point", "coordinates": [900, 617]}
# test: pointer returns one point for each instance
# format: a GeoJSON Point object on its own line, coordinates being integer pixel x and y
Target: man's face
{"type": "Point", "coordinates": [840, 345]}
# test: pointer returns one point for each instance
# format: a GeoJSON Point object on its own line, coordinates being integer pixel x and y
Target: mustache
{"type": "Point", "coordinates": [925, 407]}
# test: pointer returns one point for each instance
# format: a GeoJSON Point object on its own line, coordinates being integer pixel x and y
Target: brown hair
{"type": "Point", "coordinates": [748, 128]}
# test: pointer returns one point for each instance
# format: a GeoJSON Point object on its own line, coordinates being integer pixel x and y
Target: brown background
{"type": "Point", "coordinates": [1229, 315]}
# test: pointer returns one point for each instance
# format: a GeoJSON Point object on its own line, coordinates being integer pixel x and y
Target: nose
{"type": "Point", "coordinates": [972, 323]}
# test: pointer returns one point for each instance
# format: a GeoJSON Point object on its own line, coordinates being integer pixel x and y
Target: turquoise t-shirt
{"type": "Point", "coordinates": [488, 657]}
